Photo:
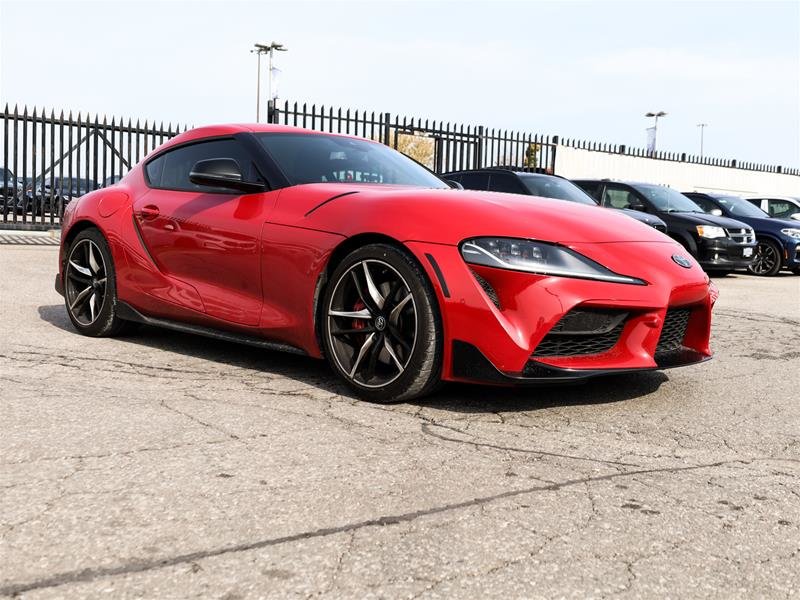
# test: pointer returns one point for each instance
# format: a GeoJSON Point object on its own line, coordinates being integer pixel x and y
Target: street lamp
{"type": "Point", "coordinates": [660, 113]}
{"type": "Point", "coordinates": [702, 126]}
{"type": "Point", "coordinates": [260, 49]}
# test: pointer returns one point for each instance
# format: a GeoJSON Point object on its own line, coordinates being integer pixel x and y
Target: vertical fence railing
{"type": "Point", "coordinates": [440, 146]}
{"type": "Point", "coordinates": [49, 159]}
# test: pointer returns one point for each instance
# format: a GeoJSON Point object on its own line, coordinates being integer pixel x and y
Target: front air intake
{"type": "Point", "coordinates": [674, 330]}
{"type": "Point", "coordinates": [583, 332]}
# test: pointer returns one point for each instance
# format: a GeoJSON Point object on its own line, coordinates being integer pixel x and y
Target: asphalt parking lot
{"type": "Point", "coordinates": [168, 466]}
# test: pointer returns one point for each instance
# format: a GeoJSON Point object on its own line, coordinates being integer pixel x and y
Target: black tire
{"type": "Point", "coordinates": [768, 259]}
{"type": "Point", "coordinates": [393, 367]}
{"type": "Point", "coordinates": [90, 287]}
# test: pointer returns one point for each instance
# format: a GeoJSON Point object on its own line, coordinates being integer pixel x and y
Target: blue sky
{"type": "Point", "coordinates": [578, 69]}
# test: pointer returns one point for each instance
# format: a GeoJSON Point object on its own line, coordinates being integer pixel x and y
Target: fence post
{"type": "Point", "coordinates": [387, 138]}
{"type": "Point", "coordinates": [555, 139]}
{"type": "Point", "coordinates": [479, 149]}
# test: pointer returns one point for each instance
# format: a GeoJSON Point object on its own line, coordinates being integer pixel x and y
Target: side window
{"type": "Point", "coordinates": [590, 187]}
{"type": "Point", "coordinates": [619, 197]}
{"type": "Point", "coordinates": [505, 182]}
{"type": "Point", "coordinates": [475, 181]}
{"type": "Point", "coordinates": [171, 169]}
{"type": "Point", "coordinates": [704, 203]}
{"type": "Point", "coordinates": [780, 208]}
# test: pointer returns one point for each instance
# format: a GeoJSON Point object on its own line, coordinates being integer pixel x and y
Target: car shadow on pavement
{"type": "Point", "coordinates": [453, 397]}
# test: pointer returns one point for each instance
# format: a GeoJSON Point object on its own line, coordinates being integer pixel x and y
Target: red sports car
{"type": "Point", "coordinates": [339, 247]}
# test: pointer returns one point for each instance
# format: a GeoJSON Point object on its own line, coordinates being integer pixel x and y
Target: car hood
{"type": "Point", "coordinates": [770, 223]}
{"type": "Point", "coordinates": [641, 216]}
{"type": "Point", "coordinates": [706, 219]}
{"type": "Point", "coordinates": [450, 216]}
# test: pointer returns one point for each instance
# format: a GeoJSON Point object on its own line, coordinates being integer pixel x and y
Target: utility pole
{"type": "Point", "coordinates": [260, 49]}
{"type": "Point", "coordinates": [702, 126]}
{"type": "Point", "coordinates": [660, 113]}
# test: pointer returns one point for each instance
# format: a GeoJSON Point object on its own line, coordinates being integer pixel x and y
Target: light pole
{"type": "Point", "coordinates": [702, 126]}
{"type": "Point", "coordinates": [660, 113]}
{"type": "Point", "coordinates": [260, 49]}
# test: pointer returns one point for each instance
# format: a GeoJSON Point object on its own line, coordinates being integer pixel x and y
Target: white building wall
{"type": "Point", "coordinates": [575, 163]}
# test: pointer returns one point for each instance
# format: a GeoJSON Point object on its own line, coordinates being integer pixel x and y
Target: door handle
{"type": "Point", "coordinates": [148, 212]}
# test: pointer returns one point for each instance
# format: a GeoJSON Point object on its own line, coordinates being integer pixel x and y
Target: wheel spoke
{"type": "Point", "coordinates": [80, 298]}
{"type": "Point", "coordinates": [78, 276]}
{"type": "Point", "coordinates": [369, 373]}
{"type": "Point", "coordinates": [399, 338]}
{"type": "Point", "coordinates": [341, 332]}
{"type": "Point", "coordinates": [393, 316]}
{"type": "Point", "coordinates": [390, 350]}
{"type": "Point", "coordinates": [365, 298]}
{"type": "Point", "coordinates": [80, 269]}
{"type": "Point", "coordinates": [351, 314]}
{"type": "Point", "coordinates": [364, 348]}
{"type": "Point", "coordinates": [93, 305]}
{"type": "Point", "coordinates": [93, 264]}
{"type": "Point", "coordinates": [372, 288]}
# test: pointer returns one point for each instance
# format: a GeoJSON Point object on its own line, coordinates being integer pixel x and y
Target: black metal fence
{"type": "Point", "coordinates": [439, 145]}
{"type": "Point", "coordinates": [47, 160]}
{"type": "Point", "coordinates": [683, 157]}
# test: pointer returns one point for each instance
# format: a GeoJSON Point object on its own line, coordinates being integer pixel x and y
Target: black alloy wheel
{"type": "Point", "coordinates": [767, 261]}
{"type": "Point", "coordinates": [381, 329]}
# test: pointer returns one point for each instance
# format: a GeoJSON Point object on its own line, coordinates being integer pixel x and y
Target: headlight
{"type": "Point", "coordinates": [791, 232]}
{"type": "Point", "coordinates": [537, 257]}
{"type": "Point", "coordinates": [710, 232]}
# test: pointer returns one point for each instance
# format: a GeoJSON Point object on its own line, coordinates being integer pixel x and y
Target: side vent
{"type": "Point", "coordinates": [487, 287]}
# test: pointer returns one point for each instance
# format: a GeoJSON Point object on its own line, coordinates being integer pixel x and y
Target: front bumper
{"type": "Point", "coordinates": [791, 254]}
{"type": "Point", "coordinates": [724, 253]}
{"type": "Point", "coordinates": [469, 364]}
{"type": "Point", "coordinates": [494, 320]}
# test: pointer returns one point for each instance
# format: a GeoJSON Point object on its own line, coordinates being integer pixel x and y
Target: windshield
{"type": "Point", "coordinates": [740, 207]}
{"type": "Point", "coordinates": [309, 158]}
{"type": "Point", "coordinates": [555, 187]}
{"type": "Point", "coordinates": [666, 199]}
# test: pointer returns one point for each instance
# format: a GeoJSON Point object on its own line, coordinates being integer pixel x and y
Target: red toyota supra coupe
{"type": "Point", "coordinates": [339, 247]}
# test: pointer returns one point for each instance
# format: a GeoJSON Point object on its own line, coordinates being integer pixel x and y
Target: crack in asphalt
{"type": "Point", "coordinates": [139, 566]}
{"type": "Point", "coordinates": [426, 429]}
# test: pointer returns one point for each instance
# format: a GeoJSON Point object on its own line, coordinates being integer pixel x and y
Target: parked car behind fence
{"type": "Point", "coordinates": [719, 244]}
{"type": "Point", "coordinates": [778, 239]}
{"type": "Point", "coordinates": [536, 184]}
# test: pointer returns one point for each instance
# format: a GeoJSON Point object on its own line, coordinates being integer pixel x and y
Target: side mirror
{"type": "Point", "coordinates": [454, 184]}
{"type": "Point", "coordinates": [638, 206]}
{"type": "Point", "coordinates": [224, 173]}
{"type": "Point", "coordinates": [795, 216]}
{"type": "Point", "coordinates": [716, 212]}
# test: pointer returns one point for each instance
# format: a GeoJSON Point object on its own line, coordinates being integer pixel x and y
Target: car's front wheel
{"type": "Point", "coordinates": [381, 328]}
{"type": "Point", "coordinates": [767, 261]}
{"type": "Point", "coordinates": [90, 286]}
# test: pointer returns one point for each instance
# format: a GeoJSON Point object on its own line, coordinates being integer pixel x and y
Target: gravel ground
{"type": "Point", "coordinates": [170, 466]}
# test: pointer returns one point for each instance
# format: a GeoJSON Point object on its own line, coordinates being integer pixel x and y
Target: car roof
{"type": "Point", "coordinates": [622, 181]}
{"type": "Point", "coordinates": [208, 131]}
{"type": "Point", "coordinates": [513, 170]}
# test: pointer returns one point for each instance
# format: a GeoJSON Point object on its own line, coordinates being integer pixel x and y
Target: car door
{"type": "Point", "coordinates": [705, 203]}
{"type": "Point", "coordinates": [780, 209]}
{"type": "Point", "coordinates": [204, 236]}
{"type": "Point", "coordinates": [620, 196]}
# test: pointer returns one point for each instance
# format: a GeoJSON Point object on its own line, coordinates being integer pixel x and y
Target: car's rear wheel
{"type": "Point", "coordinates": [767, 261]}
{"type": "Point", "coordinates": [381, 328]}
{"type": "Point", "coordinates": [90, 286]}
